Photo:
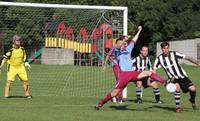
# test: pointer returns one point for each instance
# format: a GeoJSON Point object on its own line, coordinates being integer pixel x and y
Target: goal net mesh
{"type": "Point", "coordinates": [65, 48]}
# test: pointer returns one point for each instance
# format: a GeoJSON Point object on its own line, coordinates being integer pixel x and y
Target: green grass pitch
{"type": "Point", "coordinates": [69, 93]}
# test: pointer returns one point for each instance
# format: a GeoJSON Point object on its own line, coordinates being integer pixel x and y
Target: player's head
{"type": "Point", "coordinates": [119, 42]}
{"type": "Point", "coordinates": [165, 47]}
{"type": "Point", "coordinates": [144, 50]}
{"type": "Point", "coordinates": [16, 41]}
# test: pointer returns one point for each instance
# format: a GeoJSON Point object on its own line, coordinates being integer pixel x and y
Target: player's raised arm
{"type": "Point", "coordinates": [125, 38]}
{"type": "Point", "coordinates": [130, 44]}
{"type": "Point", "coordinates": [135, 38]}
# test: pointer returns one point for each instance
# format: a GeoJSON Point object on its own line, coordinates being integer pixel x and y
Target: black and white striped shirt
{"type": "Point", "coordinates": [142, 64]}
{"type": "Point", "coordinates": [171, 65]}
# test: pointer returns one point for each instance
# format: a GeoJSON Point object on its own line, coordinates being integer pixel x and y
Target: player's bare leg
{"type": "Point", "coordinates": [7, 88]}
{"type": "Point", "coordinates": [108, 97]}
{"type": "Point", "coordinates": [192, 90]}
{"type": "Point", "coordinates": [26, 89]}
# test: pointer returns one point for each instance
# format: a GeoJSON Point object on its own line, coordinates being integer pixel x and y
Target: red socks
{"type": "Point", "coordinates": [106, 99]}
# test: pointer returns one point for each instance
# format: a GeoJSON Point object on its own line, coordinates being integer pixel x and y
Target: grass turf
{"type": "Point", "coordinates": [58, 97]}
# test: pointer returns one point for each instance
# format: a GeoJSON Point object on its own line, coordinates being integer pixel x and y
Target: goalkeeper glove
{"type": "Point", "coordinates": [27, 65]}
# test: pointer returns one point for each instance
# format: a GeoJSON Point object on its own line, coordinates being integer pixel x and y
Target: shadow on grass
{"type": "Point", "coordinates": [125, 107]}
{"type": "Point", "coordinates": [149, 109]}
{"type": "Point", "coordinates": [144, 101]}
{"type": "Point", "coordinates": [173, 108]}
{"type": "Point", "coordinates": [165, 108]}
{"type": "Point", "coordinates": [16, 97]}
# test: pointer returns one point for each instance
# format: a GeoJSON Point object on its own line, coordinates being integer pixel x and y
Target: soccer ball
{"type": "Point", "coordinates": [171, 87]}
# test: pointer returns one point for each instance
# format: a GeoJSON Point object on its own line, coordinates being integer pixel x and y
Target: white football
{"type": "Point", "coordinates": [171, 87]}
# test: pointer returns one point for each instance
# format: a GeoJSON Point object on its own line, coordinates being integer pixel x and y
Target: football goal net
{"type": "Point", "coordinates": [65, 44]}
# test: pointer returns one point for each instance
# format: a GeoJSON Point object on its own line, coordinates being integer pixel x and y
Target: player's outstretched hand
{"type": "Point", "coordinates": [139, 28]}
{"type": "Point", "coordinates": [27, 65]}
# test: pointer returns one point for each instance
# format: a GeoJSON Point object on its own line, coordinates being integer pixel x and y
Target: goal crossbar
{"type": "Point", "coordinates": [63, 6]}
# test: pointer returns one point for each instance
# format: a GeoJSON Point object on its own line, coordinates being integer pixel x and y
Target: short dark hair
{"type": "Point", "coordinates": [164, 44]}
{"type": "Point", "coordinates": [120, 39]}
{"type": "Point", "coordinates": [144, 46]}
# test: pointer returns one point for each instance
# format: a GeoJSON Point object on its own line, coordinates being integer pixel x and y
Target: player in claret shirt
{"type": "Point", "coordinates": [127, 70]}
{"type": "Point", "coordinates": [112, 55]}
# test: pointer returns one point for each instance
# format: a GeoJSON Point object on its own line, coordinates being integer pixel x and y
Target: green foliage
{"type": "Point", "coordinates": [163, 20]}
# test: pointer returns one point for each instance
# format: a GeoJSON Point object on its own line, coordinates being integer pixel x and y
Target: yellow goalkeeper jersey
{"type": "Point", "coordinates": [16, 56]}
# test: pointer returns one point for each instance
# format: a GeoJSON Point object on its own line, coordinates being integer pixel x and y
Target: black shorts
{"type": "Point", "coordinates": [184, 83]}
{"type": "Point", "coordinates": [144, 82]}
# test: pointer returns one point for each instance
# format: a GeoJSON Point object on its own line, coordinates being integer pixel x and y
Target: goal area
{"type": "Point", "coordinates": [65, 44]}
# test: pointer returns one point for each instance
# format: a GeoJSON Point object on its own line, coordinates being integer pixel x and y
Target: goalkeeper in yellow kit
{"type": "Point", "coordinates": [16, 63]}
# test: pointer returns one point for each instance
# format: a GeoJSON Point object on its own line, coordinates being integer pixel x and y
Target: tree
{"type": "Point", "coordinates": [162, 20]}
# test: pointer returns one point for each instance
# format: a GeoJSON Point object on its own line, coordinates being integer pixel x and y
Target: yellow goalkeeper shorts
{"type": "Point", "coordinates": [16, 70]}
